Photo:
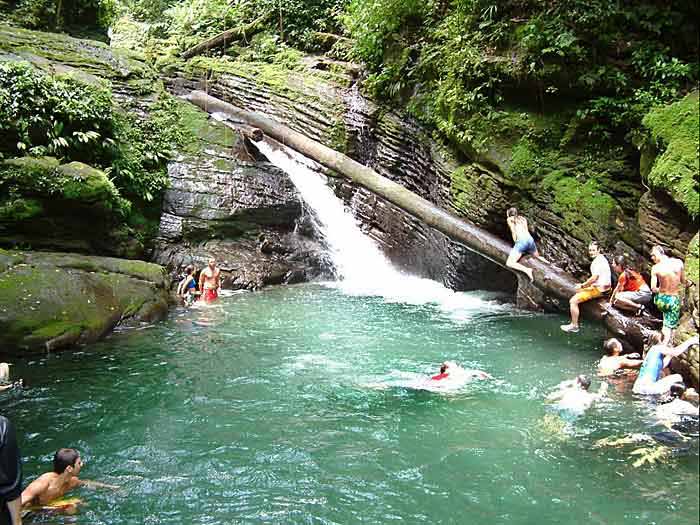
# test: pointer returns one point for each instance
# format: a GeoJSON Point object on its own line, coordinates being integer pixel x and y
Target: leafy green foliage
{"type": "Point", "coordinates": [52, 14]}
{"type": "Point", "coordinates": [44, 115]}
{"type": "Point", "coordinates": [64, 117]}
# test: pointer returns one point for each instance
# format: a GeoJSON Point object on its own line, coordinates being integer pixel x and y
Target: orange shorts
{"type": "Point", "coordinates": [588, 293]}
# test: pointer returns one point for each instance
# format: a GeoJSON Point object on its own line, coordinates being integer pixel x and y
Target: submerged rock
{"type": "Point", "coordinates": [50, 300]}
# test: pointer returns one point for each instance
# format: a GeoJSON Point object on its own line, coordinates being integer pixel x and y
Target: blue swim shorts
{"type": "Point", "coordinates": [526, 245]}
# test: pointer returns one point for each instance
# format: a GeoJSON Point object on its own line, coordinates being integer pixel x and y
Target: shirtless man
{"type": "Point", "coordinates": [209, 282]}
{"type": "Point", "coordinates": [649, 381]}
{"type": "Point", "coordinates": [573, 395]}
{"type": "Point", "coordinates": [64, 478]}
{"type": "Point", "coordinates": [524, 243]}
{"type": "Point", "coordinates": [667, 274]}
{"type": "Point", "coordinates": [613, 361]}
{"type": "Point", "coordinates": [678, 407]}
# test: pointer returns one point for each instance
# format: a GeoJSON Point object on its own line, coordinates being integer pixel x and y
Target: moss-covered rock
{"type": "Point", "coordinates": [51, 300]}
{"type": "Point", "coordinates": [675, 131]}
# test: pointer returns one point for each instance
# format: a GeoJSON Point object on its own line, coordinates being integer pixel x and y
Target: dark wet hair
{"type": "Point", "coordinates": [611, 345]}
{"type": "Point", "coordinates": [594, 244]}
{"type": "Point", "coordinates": [189, 269]}
{"type": "Point", "coordinates": [443, 368]}
{"type": "Point", "coordinates": [64, 458]}
{"type": "Point", "coordinates": [512, 212]}
{"type": "Point", "coordinates": [677, 390]}
{"type": "Point", "coordinates": [654, 338]}
{"type": "Point", "coordinates": [621, 261]}
{"type": "Point", "coordinates": [584, 381]}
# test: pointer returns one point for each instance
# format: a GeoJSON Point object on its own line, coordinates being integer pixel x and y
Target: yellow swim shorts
{"type": "Point", "coordinates": [588, 293]}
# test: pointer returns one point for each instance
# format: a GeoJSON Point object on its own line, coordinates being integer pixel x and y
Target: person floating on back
{"type": "Point", "coordinates": [649, 381]}
{"type": "Point", "coordinates": [667, 274]}
{"type": "Point", "coordinates": [64, 478]}
{"type": "Point", "coordinates": [632, 293]}
{"type": "Point", "coordinates": [524, 243]}
{"type": "Point", "coordinates": [209, 282]}
{"type": "Point", "coordinates": [595, 286]}
{"type": "Point", "coordinates": [612, 363]}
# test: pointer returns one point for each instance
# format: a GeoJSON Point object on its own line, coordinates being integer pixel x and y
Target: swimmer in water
{"type": "Point", "coordinates": [64, 478]}
{"type": "Point", "coordinates": [5, 383]}
{"type": "Point", "coordinates": [574, 396]}
{"type": "Point", "coordinates": [613, 363]}
{"type": "Point", "coordinates": [455, 369]}
{"type": "Point", "coordinates": [679, 406]}
{"type": "Point", "coordinates": [649, 381]}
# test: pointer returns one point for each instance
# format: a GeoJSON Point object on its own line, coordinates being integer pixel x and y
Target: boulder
{"type": "Point", "coordinates": [50, 300]}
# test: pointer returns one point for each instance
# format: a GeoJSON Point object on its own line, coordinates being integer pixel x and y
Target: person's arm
{"type": "Point", "coordinates": [593, 278]}
{"type": "Point", "coordinates": [654, 280]}
{"type": "Point", "coordinates": [556, 395]}
{"type": "Point", "coordinates": [33, 491]}
{"type": "Point", "coordinates": [620, 283]}
{"type": "Point", "coordinates": [15, 508]}
{"type": "Point", "coordinates": [675, 352]}
{"type": "Point", "coordinates": [201, 281]}
{"type": "Point", "coordinates": [602, 391]}
{"type": "Point", "coordinates": [88, 483]}
{"type": "Point", "coordinates": [631, 363]}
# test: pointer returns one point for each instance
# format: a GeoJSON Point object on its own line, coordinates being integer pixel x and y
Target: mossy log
{"type": "Point", "coordinates": [550, 283]}
{"type": "Point", "coordinates": [223, 39]}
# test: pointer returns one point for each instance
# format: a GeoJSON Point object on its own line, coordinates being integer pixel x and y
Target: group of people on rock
{"type": "Point", "coordinates": [631, 294]}
{"type": "Point", "coordinates": [189, 289]}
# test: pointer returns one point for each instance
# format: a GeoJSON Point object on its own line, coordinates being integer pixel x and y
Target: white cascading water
{"type": "Point", "coordinates": [361, 267]}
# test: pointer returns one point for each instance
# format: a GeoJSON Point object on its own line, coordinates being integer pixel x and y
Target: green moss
{"type": "Point", "coordinates": [86, 184]}
{"type": "Point", "coordinates": [203, 130]}
{"type": "Point", "coordinates": [676, 132]}
{"type": "Point", "coordinates": [339, 135]}
{"type": "Point", "coordinates": [587, 210]}
{"type": "Point", "coordinates": [20, 209]}
{"type": "Point", "coordinates": [56, 329]}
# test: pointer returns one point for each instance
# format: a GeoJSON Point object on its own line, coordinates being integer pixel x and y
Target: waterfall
{"type": "Point", "coordinates": [360, 266]}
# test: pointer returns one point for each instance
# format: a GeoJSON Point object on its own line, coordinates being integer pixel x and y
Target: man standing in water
{"type": "Point", "coordinates": [595, 286]}
{"type": "Point", "coordinates": [524, 243]}
{"type": "Point", "coordinates": [209, 282]}
{"type": "Point", "coordinates": [667, 274]}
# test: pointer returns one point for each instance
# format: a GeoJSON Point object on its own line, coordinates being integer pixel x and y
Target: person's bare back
{"type": "Point", "coordinates": [518, 227]}
{"type": "Point", "coordinates": [669, 274]}
{"type": "Point", "coordinates": [47, 488]}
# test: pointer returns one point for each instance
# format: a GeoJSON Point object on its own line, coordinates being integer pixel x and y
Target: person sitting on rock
{"type": "Point", "coordinates": [667, 274]}
{"type": "Point", "coordinates": [649, 381]}
{"type": "Point", "coordinates": [599, 283]}
{"type": "Point", "coordinates": [64, 478]}
{"type": "Point", "coordinates": [187, 287]}
{"type": "Point", "coordinates": [612, 363]}
{"type": "Point", "coordinates": [632, 293]}
{"type": "Point", "coordinates": [524, 243]}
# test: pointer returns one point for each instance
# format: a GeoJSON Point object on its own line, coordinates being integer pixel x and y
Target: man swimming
{"type": "Point", "coordinates": [611, 363]}
{"type": "Point", "coordinates": [64, 478]}
{"type": "Point", "coordinates": [524, 243]}
{"type": "Point", "coordinates": [573, 396]}
{"type": "Point", "coordinates": [209, 282]}
{"type": "Point", "coordinates": [667, 275]}
{"type": "Point", "coordinates": [649, 381]}
{"type": "Point", "coordinates": [458, 372]}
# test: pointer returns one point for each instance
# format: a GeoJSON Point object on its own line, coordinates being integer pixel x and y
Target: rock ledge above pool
{"type": "Point", "coordinates": [51, 300]}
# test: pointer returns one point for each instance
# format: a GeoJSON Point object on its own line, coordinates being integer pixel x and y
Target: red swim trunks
{"type": "Point", "coordinates": [209, 295]}
{"type": "Point", "coordinates": [439, 377]}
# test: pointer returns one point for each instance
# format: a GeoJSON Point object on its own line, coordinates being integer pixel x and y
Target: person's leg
{"type": "Point", "coordinates": [574, 309]}
{"type": "Point", "coordinates": [512, 262]}
{"type": "Point", "coordinates": [623, 302]}
{"type": "Point", "coordinates": [536, 253]}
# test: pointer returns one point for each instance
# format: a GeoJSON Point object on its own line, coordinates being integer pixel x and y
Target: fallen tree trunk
{"type": "Point", "coordinates": [549, 282]}
{"type": "Point", "coordinates": [222, 39]}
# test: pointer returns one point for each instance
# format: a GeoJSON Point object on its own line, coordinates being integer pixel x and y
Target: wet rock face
{"type": "Point", "coordinates": [243, 213]}
{"type": "Point", "coordinates": [662, 221]}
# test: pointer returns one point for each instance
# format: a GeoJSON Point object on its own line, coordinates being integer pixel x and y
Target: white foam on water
{"type": "Point", "coordinates": [361, 267]}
